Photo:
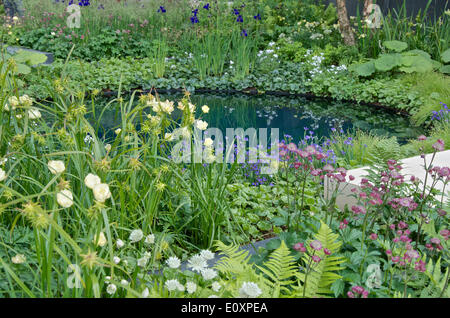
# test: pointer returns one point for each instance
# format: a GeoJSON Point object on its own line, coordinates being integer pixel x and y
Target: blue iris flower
{"type": "Point", "coordinates": [257, 17]}
{"type": "Point", "coordinates": [236, 11]}
{"type": "Point", "coordinates": [239, 19]}
{"type": "Point", "coordinates": [206, 6]}
{"type": "Point", "coordinates": [162, 9]}
{"type": "Point", "coordinates": [244, 33]}
{"type": "Point", "coordinates": [194, 19]}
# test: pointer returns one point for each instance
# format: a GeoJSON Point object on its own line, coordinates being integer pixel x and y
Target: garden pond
{"type": "Point", "coordinates": [292, 115]}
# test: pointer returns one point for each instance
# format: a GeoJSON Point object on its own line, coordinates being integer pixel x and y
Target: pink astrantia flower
{"type": "Point", "coordinates": [422, 138]}
{"type": "Point", "coordinates": [300, 247]}
{"type": "Point", "coordinates": [439, 145]}
{"type": "Point", "coordinates": [373, 236]}
{"type": "Point", "coordinates": [316, 245]}
{"type": "Point", "coordinates": [316, 258]}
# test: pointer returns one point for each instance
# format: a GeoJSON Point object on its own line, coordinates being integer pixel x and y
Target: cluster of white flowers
{"type": "Point", "coordinates": [18, 259]}
{"type": "Point", "coordinates": [161, 107]}
{"type": "Point", "coordinates": [2, 174]}
{"type": "Point", "coordinates": [249, 290]}
{"type": "Point", "coordinates": [199, 262]}
{"type": "Point", "coordinates": [136, 236]}
{"type": "Point", "coordinates": [173, 284]}
{"type": "Point", "coordinates": [142, 262]}
{"type": "Point", "coordinates": [173, 262]}
{"type": "Point", "coordinates": [101, 190]}
{"type": "Point", "coordinates": [100, 239]}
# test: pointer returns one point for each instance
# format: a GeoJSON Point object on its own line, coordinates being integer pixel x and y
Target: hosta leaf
{"type": "Point", "coordinates": [445, 57]}
{"type": "Point", "coordinates": [397, 46]}
{"type": "Point", "coordinates": [387, 62]}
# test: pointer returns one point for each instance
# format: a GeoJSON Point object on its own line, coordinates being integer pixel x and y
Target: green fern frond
{"type": "Point", "coordinates": [323, 274]}
{"type": "Point", "coordinates": [437, 278]}
{"type": "Point", "coordinates": [280, 270]}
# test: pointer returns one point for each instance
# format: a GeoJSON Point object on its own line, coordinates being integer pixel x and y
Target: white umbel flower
{"type": "Point", "coordinates": [136, 236]}
{"type": "Point", "coordinates": [18, 259]}
{"type": "Point", "coordinates": [145, 293]}
{"type": "Point", "coordinates": [34, 114]}
{"type": "Point", "coordinates": [200, 124]}
{"type": "Point", "coordinates": [249, 290]}
{"type": "Point", "coordinates": [92, 180]}
{"type": "Point", "coordinates": [191, 287]}
{"type": "Point", "coordinates": [172, 284]}
{"type": "Point", "coordinates": [216, 286]}
{"type": "Point", "coordinates": [111, 289]}
{"type": "Point", "coordinates": [173, 262]}
{"type": "Point", "coordinates": [101, 192]}
{"type": "Point", "coordinates": [119, 243]}
{"type": "Point", "coordinates": [142, 262]}
{"type": "Point", "coordinates": [150, 239]}
{"type": "Point", "coordinates": [100, 240]}
{"type": "Point", "coordinates": [2, 175]}
{"type": "Point", "coordinates": [208, 273]}
{"type": "Point", "coordinates": [56, 166]}
{"type": "Point", "coordinates": [64, 198]}
{"type": "Point", "coordinates": [207, 254]}
{"type": "Point", "coordinates": [197, 263]}
{"type": "Point", "coordinates": [208, 142]}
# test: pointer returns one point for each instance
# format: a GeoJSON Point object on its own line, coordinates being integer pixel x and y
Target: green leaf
{"type": "Point", "coordinates": [337, 287]}
{"type": "Point", "coordinates": [387, 62]}
{"type": "Point", "coordinates": [397, 46]}
{"type": "Point", "coordinates": [445, 69]}
{"type": "Point", "coordinates": [445, 57]}
{"type": "Point", "coordinates": [365, 69]}
{"type": "Point", "coordinates": [23, 69]}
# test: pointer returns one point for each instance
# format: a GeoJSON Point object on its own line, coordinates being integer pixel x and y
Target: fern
{"type": "Point", "coordinates": [438, 279]}
{"type": "Point", "coordinates": [387, 148]}
{"type": "Point", "coordinates": [280, 269]}
{"type": "Point", "coordinates": [319, 280]}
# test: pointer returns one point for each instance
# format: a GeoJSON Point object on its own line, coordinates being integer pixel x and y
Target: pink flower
{"type": "Point", "coordinates": [422, 138]}
{"type": "Point", "coordinates": [435, 241]}
{"type": "Point", "coordinates": [439, 145]}
{"type": "Point", "coordinates": [358, 209]}
{"type": "Point", "coordinates": [327, 251]}
{"type": "Point", "coordinates": [316, 245]}
{"type": "Point", "coordinates": [373, 236]}
{"type": "Point", "coordinates": [316, 258]}
{"type": "Point", "coordinates": [315, 172]}
{"type": "Point", "coordinates": [350, 294]}
{"type": "Point", "coordinates": [300, 247]}
{"type": "Point", "coordinates": [395, 259]}
{"type": "Point", "coordinates": [351, 177]}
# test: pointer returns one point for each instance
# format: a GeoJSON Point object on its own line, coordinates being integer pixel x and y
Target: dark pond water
{"type": "Point", "coordinates": [290, 115]}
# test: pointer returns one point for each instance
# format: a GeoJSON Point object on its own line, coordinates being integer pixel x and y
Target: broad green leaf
{"type": "Point", "coordinates": [397, 46]}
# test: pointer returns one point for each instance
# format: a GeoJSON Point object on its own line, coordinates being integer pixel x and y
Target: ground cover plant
{"type": "Point", "coordinates": [94, 211]}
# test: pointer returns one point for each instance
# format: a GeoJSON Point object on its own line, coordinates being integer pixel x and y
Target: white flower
{"type": "Point", "coordinates": [111, 289]}
{"type": "Point", "coordinates": [207, 254]}
{"type": "Point", "coordinates": [173, 262]}
{"type": "Point", "coordinates": [26, 100]}
{"type": "Point", "coordinates": [116, 259]}
{"type": "Point", "coordinates": [101, 192]}
{"type": "Point", "coordinates": [136, 236]}
{"type": "Point", "coordinates": [172, 284]}
{"type": "Point", "coordinates": [205, 109]}
{"type": "Point", "coordinates": [145, 293]}
{"type": "Point", "coordinates": [208, 142]}
{"type": "Point", "coordinates": [53, 33]}
{"type": "Point", "coordinates": [107, 279]}
{"type": "Point", "coordinates": [6, 107]}
{"type": "Point", "coordinates": [92, 180]}
{"type": "Point", "coordinates": [200, 124]}
{"type": "Point", "coordinates": [208, 273]}
{"type": "Point", "coordinates": [216, 286]}
{"type": "Point", "coordinates": [142, 261]}
{"type": "Point", "coordinates": [19, 259]}
{"type": "Point", "coordinates": [249, 290]}
{"type": "Point", "coordinates": [2, 175]}
{"type": "Point", "coordinates": [56, 166]}
{"type": "Point", "coordinates": [150, 239]}
{"type": "Point", "coordinates": [13, 101]}
{"type": "Point", "coordinates": [108, 147]}
{"type": "Point", "coordinates": [191, 287]}
{"type": "Point", "coordinates": [34, 113]}
{"type": "Point", "coordinates": [117, 131]}
{"type": "Point", "coordinates": [168, 136]}
{"type": "Point", "coordinates": [100, 240]}
{"type": "Point", "coordinates": [124, 282]}
{"type": "Point", "coordinates": [119, 243]}
{"type": "Point", "coordinates": [197, 263]}
{"type": "Point", "coordinates": [64, 198]}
